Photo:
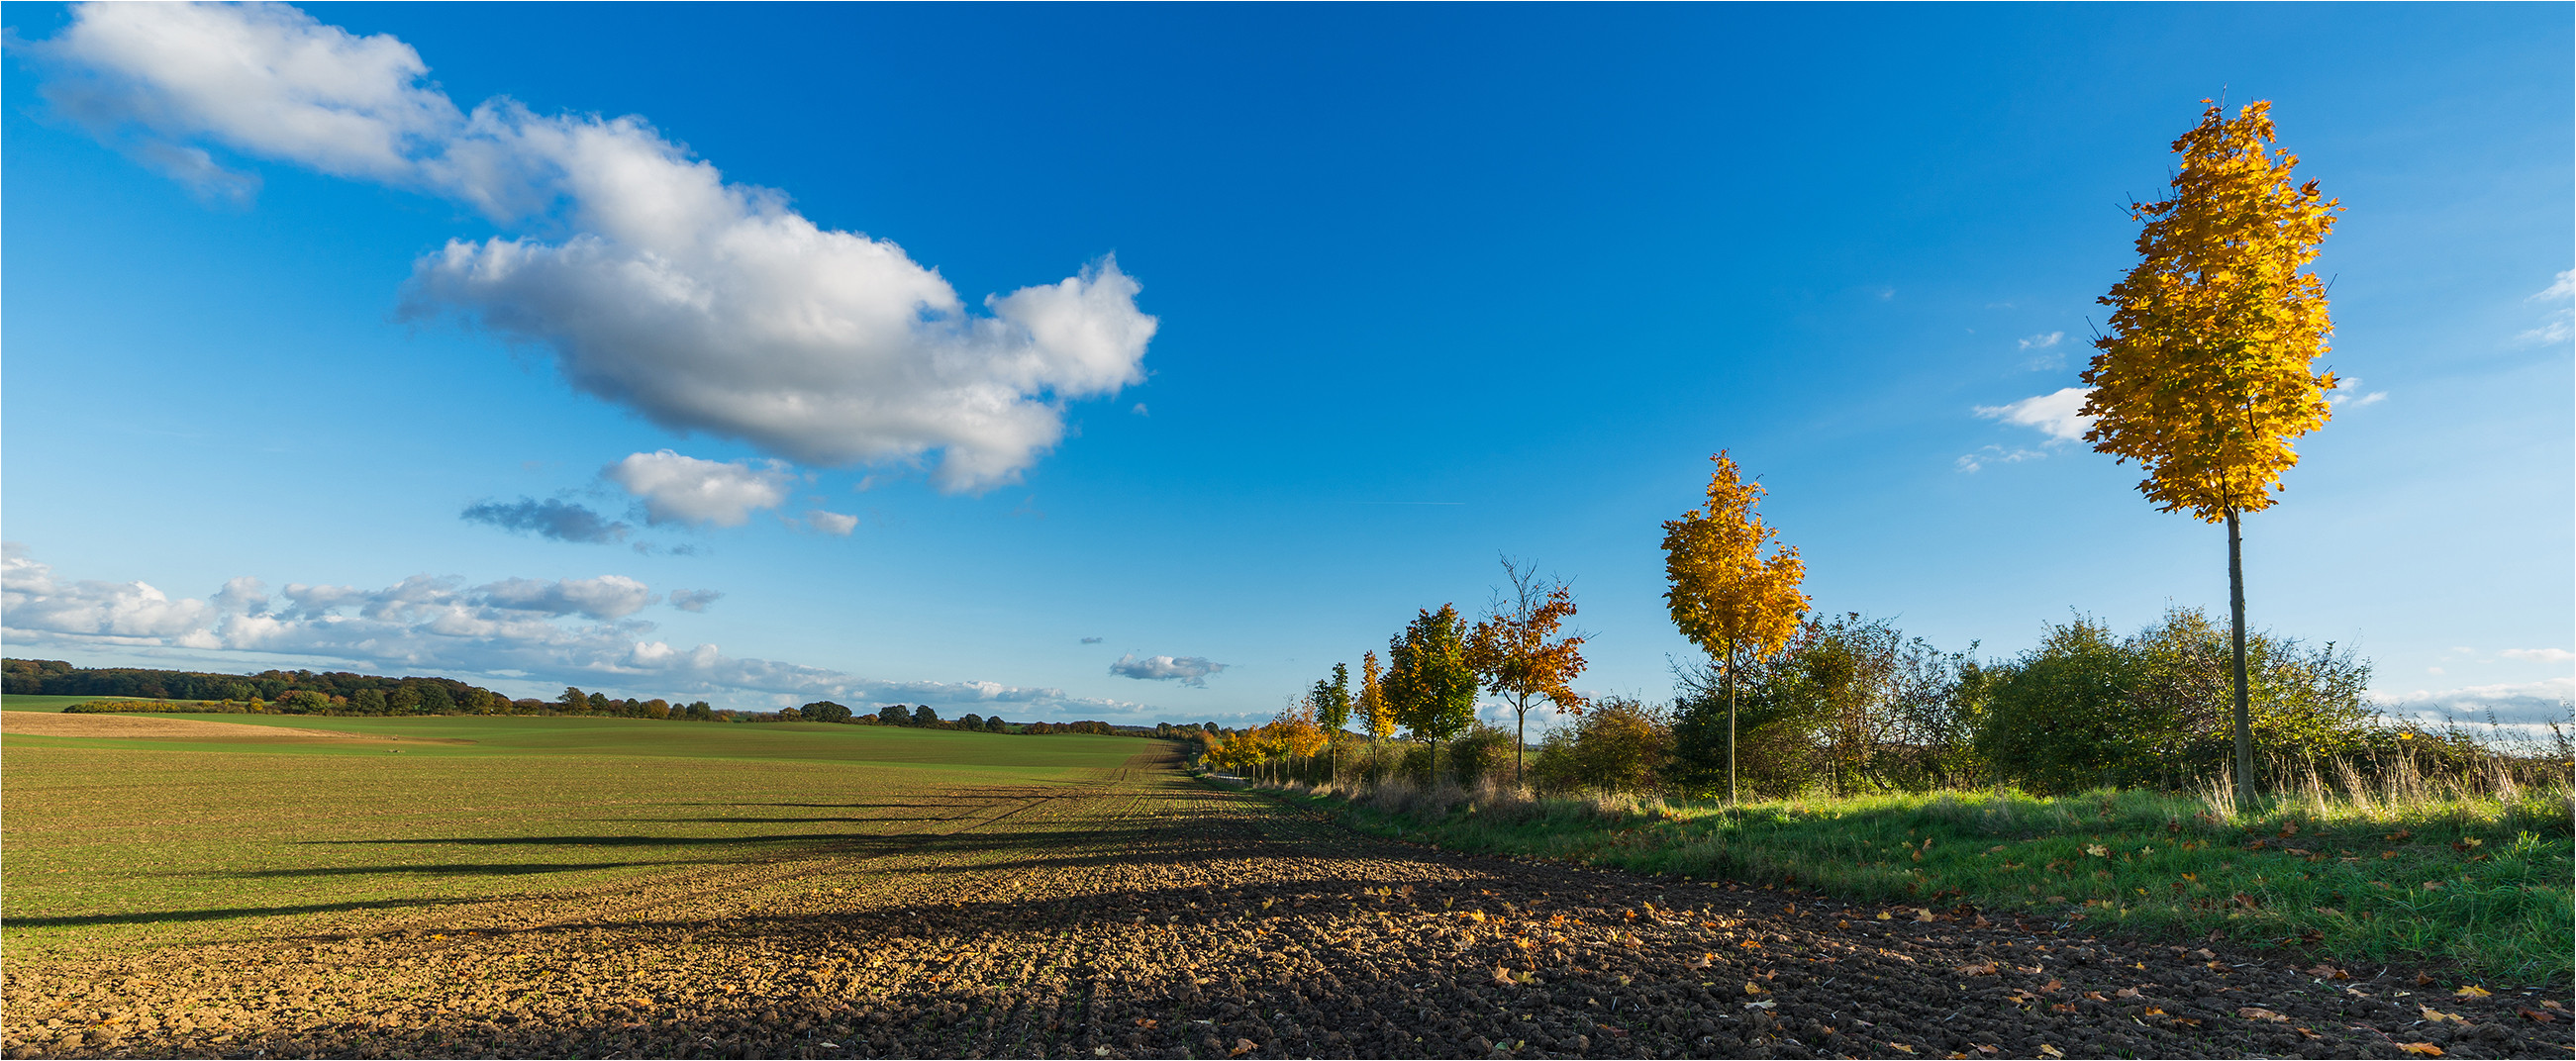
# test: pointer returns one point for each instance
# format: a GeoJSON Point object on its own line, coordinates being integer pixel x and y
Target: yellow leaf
{"type": "Point", "coordinates": [2421, 1049]}
{"type": "Point", "coordinates": [2472, 991]}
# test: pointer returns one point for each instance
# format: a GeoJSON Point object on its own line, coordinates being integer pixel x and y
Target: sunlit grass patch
{"type": "Point", "coordinates": [2481, 880]}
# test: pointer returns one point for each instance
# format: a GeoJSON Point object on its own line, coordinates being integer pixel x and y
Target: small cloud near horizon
{"type": "Point", "coordinates": [1192, 671]}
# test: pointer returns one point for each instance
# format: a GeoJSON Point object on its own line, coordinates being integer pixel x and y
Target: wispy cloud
{"type": "Point", "coordinates": [1188, 670]}
{"type": "Point", "coordinates": [2347, 394]}
{"type": "Point", "coordinates": [1976, 462]}
{"type": "Point", "coordinates": [2539, 655]}
{"type": "Point", "coordinates": [560, 520]}
{"type": "Point", "coordinates": [1091, 640]}
{"type": "Point", "coordinates": [695, 600]}
{"type": "Point", "coordinates": [701, 304]}
{"type": "Point", "coordinates": [2560, 324]}
{"type": "Point", "coordinates": [2044, 351]}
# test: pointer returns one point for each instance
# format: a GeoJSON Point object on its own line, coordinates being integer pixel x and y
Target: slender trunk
{"type": "Point", "coordinates": [1520, 736]}
{"type": "Point", "coordinates": [2236, 610]}
{"type": "Point", "coordinates": [1730, 725]}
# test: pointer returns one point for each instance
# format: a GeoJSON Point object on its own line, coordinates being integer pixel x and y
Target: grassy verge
{"type": "Point", "coordinates": [2479, 882]}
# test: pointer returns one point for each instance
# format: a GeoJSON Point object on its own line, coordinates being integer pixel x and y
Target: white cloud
{"type": "Point", "coordinates": [682, 489]}
{"type": "Point", "coordinates": [520, 631]}
{"type": "Point", "coordinates": [2539, 655]}
{"type": "Point", "coordinates": [2522, 710]}
{"type": "Point", "coordinates": [2560, 325]}
{"type": "Point", "coordinates": [2054, 414]}
{"type": "Point", "coordinates": [605, 597]}
{"type": "Point", "coordinates": [118, 612]}
{"type": "Point", "coordinates": [2347, 394]}
{"type": "Point", "coordinates": [1192, 671]}
{"type": "Point", "coordinates": [695, 600]}
{"type": "Point", "coordinates": [2042, 342]}
{"type": "Point", "coordinates": [703, 305]}
{"type": "Point", "coordinates": [831, 522]}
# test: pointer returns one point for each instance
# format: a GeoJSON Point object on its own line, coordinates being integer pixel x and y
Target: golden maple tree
{"type": "Point", "coordinates": [2207, 375]}
{"type": "Point", "coordinates": [1724, 596]}
{"type": "Point", "coordinates": [1518, 650]}
{"type": "Point", "coordinates": [1374, 710]}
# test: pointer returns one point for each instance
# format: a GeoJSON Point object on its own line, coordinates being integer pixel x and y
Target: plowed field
{"type": "Point", "coordinates": [1136, 912]}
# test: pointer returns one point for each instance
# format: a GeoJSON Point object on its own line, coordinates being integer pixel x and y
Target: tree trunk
{"type": "Point", "coordinates": [2236, 610]}
{"type": "Point", "coordinates": [1730, 725]}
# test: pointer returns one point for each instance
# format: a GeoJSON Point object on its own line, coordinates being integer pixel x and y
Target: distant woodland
{"type": "Point", "coordinates": [304, 692]}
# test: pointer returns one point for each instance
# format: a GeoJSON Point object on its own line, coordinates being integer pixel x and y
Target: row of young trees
{"type": "Point", "coordinates": [2206, 377]}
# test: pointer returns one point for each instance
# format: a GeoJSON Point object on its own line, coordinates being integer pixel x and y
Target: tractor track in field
{"type": "Point", "coordinates": [1145, 914]}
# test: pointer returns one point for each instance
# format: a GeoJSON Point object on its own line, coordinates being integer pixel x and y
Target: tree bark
{"type": "Point", "coordinates": [2236, 610]}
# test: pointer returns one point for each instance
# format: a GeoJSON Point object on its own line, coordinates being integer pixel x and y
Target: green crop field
{"type": "Point", "coordinates": [119, 842]}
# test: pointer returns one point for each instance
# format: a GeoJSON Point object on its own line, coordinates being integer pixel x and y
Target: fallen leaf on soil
{"type": "Point", "coordinates": [1146, 1022]}
{"type": "Point", "coordinates": [1242, 1047]}
{"type": "Point", "coordinates": [2437, 1016]}
{"type": "Point", "coordinates": [1752, 988]}
{"type": "Point", "coordinates": [2423, 980]}
{"type": "Point", "coordinates": [1986, 969]}
{"type": "Point", "coordinates": [2328, 972]}
{"type": "Point", "coordinates": [1764, 1004]}
{"type": "Point", "coordinates": [1885, 916]}
{"type": "Point", "coordinates": [2472, 991]}
{"type": "Point", "coordinates": [2203, 954]}
{"type": "Point", "coordinates": [2536, 1015]}
{"type": "Point", "coordinates": [2424, 1049]}
{"type": "Point", "coordinates": [2046, 1050]}
{"type": "Point", "coordinates": [2259, 1013]}
{"type": "Point", "coordinates": [2062, 1007]}
{"type": "Point", "coordinates": [1923, 915]}
{"type": "Point", "coordinates": [2126, 992]}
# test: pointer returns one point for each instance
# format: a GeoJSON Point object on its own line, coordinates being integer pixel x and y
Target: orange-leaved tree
{"type": "Point", "coordinates": [1519, 652]}
{"type": "Point", "coordinates": [2206, 378]}
{"type": "Point", "coordinates": [1724, 596]}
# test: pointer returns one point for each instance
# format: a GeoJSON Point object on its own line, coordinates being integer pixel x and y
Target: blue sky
{"type": "Point", "coordinates": [1142, 362]}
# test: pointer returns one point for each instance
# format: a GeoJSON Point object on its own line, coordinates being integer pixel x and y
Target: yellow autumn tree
{"type": "Point", "coordinates": [1519, 652]}
{"type": "Point", "coordinates": [1724, 596]}
{"type": "Point", "coordinates": [2206, 377]}
{"type": "Point", "coordinates": [1374, 709]}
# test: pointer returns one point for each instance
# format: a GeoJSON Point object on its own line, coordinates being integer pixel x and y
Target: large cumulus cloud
{"type": "Point", "coordinates": [703, 305]}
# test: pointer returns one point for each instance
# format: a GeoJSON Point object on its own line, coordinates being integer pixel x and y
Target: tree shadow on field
{"type": "Point", "coordinates": [452, 869]}
{"type": "Point", "coordinates": [155, 917]}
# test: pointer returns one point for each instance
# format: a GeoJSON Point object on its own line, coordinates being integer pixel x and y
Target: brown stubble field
{"type": "Point", "coordinates": [598, 906]}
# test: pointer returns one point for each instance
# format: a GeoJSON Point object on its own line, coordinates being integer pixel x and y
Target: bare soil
{"type": "Point", "coordinates": [133, 727]}
{"type": "Point", "coordinates": [1145, 914]}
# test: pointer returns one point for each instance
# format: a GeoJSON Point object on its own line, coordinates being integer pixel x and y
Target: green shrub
{"type": "Point", "coordinates": [2156, 708]}
{"type": "Point", "coordinates": [1619, 745]}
